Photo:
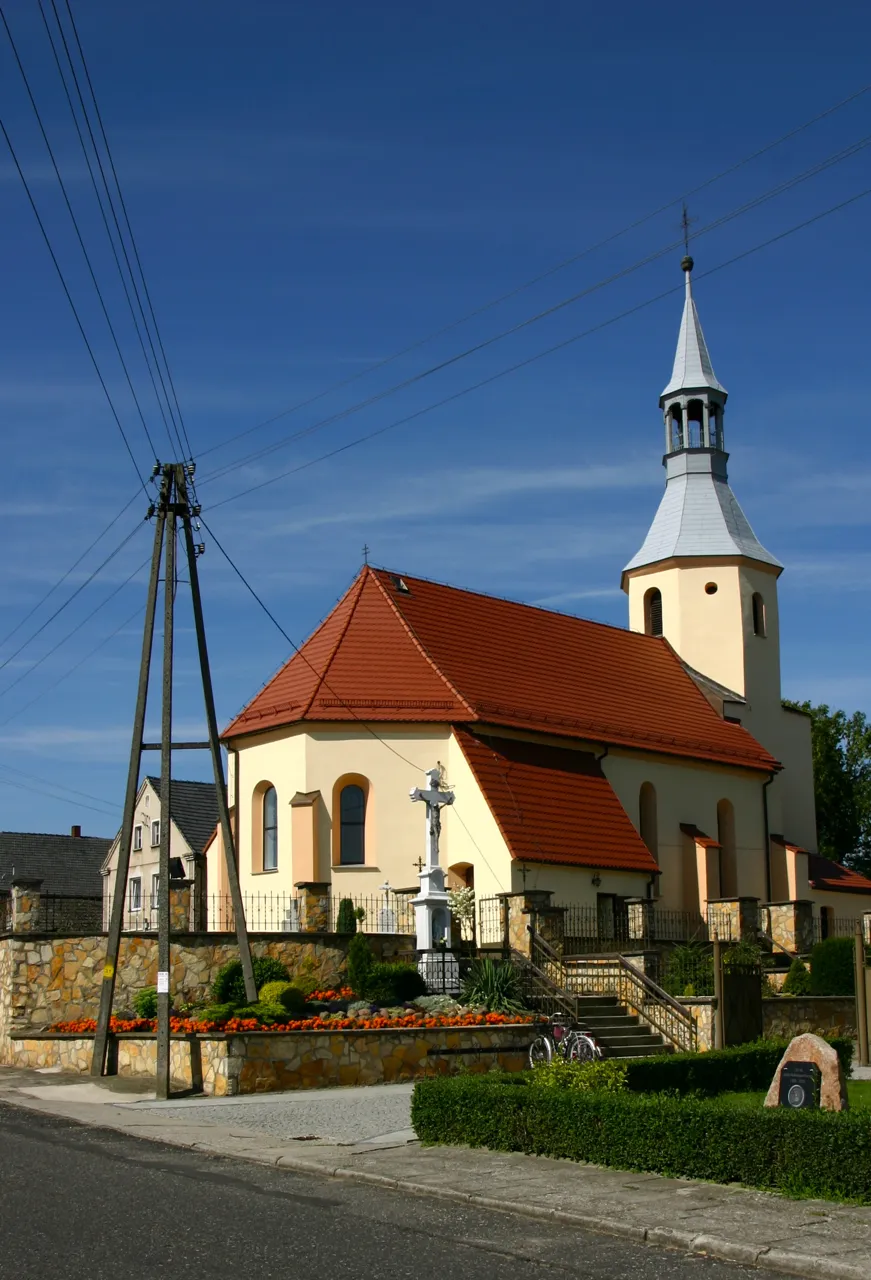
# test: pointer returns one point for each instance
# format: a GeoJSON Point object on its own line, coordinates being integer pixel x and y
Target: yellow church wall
{"type": "Point", "coordinates": [573, 886]}
{"type": "Point", "coordinates": [844, 906]}
{"type": "Point", "coordinates": [689, 792]}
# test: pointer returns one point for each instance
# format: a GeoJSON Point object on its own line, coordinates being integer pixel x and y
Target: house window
{"type": "Point", "coordinates": [758, 614]}
{"type": "Point", "coordinates": [155, 891]}
{"type": "Point", "coordinates": [155, 832]}
{"type": "Point", "coordinates": [352, 818]}
{"type": "Point", "coordinates": [134, 889]}
{"type": "Point", "coordinates": [653, 612]}
{"type": "Point", "coordinates": [270, 830]}
{"type": "Point", "coordinates": [137, 838]}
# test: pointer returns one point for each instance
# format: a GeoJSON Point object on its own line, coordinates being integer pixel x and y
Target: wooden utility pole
{"type": "Point", "coordinates": [172, 508]}
{"type": "Point", "coordinates": [861, 997]}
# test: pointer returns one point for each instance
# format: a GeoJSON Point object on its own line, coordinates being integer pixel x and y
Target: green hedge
{"type": "Point", "coordinates": [810, 1153]}
{"type": "Point", "coordinates": [832, 972]}
{"type": "Point", "coordinates": [744, 1069]}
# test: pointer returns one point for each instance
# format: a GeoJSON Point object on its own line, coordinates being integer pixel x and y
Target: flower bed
{"type": "Point", "coordinates": [336, 1022]}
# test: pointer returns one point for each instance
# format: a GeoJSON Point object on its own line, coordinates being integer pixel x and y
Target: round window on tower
{"type": "Point", "coordinates": [711, 588]}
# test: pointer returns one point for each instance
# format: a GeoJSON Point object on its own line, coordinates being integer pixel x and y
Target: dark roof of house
{"type": "Point", "coordinates": [64, 864]}
{"type": "Point", "coordinates": [397, 648]}
{"type": "Point", "coordinates": [194, 809]}
{"type": "Point", "coordinates": [554, 804]}
{"type": "Point", "coordinates": [825, 874]}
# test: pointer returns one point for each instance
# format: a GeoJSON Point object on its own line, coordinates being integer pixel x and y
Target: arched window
{"type": "Point", "coordinates": [648, 825]}
{"type": "Point", "coordinates": [728, 853]}
{"type": "Point", "coordinates": [352, 826]}
{"type": "Point", "coordinates": [270, 830]}
{"type": "Point", "coordinates": [695, 418]}
{"type": "Point", "coordinates": [758, 614]}
{"type": "Point", "coordinates": [653, 612]}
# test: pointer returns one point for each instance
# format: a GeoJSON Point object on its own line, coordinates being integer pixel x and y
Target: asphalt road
{"type": "Point", "coordinates": [89, 1203]}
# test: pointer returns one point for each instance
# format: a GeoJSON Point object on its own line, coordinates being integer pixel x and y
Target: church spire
{"type": "Point", "coordinates": [692, 370]}
{"type": "Point", "coordinates": [693, 402]}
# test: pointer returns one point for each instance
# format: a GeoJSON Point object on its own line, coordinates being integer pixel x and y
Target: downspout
{"type": "Point", "coordinates": [766, 784]}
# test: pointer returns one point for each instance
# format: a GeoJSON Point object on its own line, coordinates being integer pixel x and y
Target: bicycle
{"type": "Point", "coordinates": [568, 1042]}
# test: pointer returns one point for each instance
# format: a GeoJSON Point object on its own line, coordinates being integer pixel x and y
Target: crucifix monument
{"type": "Point", "coordinates": [431, 914]}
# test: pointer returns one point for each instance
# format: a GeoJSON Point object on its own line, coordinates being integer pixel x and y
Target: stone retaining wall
{"type": "Point", "coordinates": [45, 978]}
{"type": "Point", "coordinates": [786, 1016]}
{"type": "Point", "coordinates": [269, 1061]}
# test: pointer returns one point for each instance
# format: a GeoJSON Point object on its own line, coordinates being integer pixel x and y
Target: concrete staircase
{"type": "Point", "coordinates": [618, 1033]}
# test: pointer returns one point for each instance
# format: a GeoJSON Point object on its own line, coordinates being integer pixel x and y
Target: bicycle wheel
{"type": "Point", "coordinates": [540, 1052]}
{"type": "Point", "coordinates": [582, 1048]}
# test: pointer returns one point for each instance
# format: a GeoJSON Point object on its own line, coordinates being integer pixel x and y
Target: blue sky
{"type": "Point", "coordinates": [316, 188]}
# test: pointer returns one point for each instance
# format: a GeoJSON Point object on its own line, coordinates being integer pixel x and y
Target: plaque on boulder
{"type": "Point", "coordinates": [800, 1085]}
{"type": "Point", "coordinates": [809, 1051]}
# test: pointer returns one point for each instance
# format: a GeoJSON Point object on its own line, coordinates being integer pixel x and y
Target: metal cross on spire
{"type": "Point", "coordinates": [685, 223]}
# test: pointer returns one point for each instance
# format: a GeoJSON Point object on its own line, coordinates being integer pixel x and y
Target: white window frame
{"type": "Point", "coordinates": [155, 889]}
{"type": "Point", "coordinates": [137, 838]}
{"type": "Point", "coordinates": [155, 826]}
{"type": "Point", "coordinates": [134, 892]}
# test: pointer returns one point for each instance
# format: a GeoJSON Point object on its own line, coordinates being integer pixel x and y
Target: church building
{"type": "Point", "coordinates": [602, 764]}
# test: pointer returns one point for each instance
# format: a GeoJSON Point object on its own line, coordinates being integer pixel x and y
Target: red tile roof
{"type": "Point", "coordinates": [404, 649]}
{"type": "Point", "coordinates": [553, 804]}
{"type": "Point", "coordinates": [825, 874]}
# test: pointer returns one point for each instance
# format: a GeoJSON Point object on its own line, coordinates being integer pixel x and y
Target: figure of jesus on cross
{"type": "Point", "coordinates": [431, 913]}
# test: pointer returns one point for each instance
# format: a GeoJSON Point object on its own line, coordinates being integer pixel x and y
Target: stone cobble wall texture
{"type": "Point", "coordinates": [786, 1016]}
{"type": "Point", "coordinates": [243, 1064]}
{"type": "Point", "coordinates": [46, 979]}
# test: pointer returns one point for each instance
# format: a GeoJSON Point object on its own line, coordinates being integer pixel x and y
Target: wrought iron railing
{"type": "Point", "coordinates": [590, 930]}
{"type": "Point", "coordinates": [617, 976]}
{"type": "Point", "coordinates": [70, 913]}
{"type": "Point", "coordinates": [835, 927]}
{"type": "Point", "coordinates": [491, 922]}
{"type": "Point", "coordinates": [385, 912]}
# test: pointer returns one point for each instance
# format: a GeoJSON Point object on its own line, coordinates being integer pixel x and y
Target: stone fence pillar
{"type": "Point", "coordinates": [5, 910]}
{"type": "Point", "coordinates": [734, 919]}
{"type": "Point", "coordinates": [640, 912]}
{"type": "Point", "coordinates": [26, 905]}
{"type": "Point", "coordinates": [180, 906]}
{"type": "Point", "coordinates": [792, 925]}
{"type": "Point", "coordinates": [314, 905]}
{"type": "Point", "coordinates": [532, 907]}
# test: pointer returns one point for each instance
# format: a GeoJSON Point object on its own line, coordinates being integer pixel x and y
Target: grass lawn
{"type": "Point", "coordinates": [858, 1094]}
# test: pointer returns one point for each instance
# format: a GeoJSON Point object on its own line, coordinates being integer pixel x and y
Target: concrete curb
{"type": "Point", "coordinates": [765, 1257]}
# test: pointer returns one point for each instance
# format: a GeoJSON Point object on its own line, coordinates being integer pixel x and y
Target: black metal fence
{"type": "Point", "coordinates": [835, 927]}
{"type": "Point", "coordinates": [491, 930]}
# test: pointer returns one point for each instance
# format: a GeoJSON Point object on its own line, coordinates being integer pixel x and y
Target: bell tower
{"type": "Point", "coordinates": [702, 579]}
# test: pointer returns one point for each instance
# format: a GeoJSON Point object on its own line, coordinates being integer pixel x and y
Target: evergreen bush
{"type": "Point", "coordinates": [346, 920]}
{"type": "Point", "coordinates": [495, 985]}
{"type": "Point", "coordinates": [285, 994]}
{"type": "Point", "coordinates": [145, 1002]}
{"type": "Point", "coordinates": [229, 984]}
{"type": "Point", "coordinates": [393, 984]}
{"type": "Point", "coordinates": [360, 962]}
{"type": "Point", "coordinates": [832, 971]}
{"type": "Point", "coordinates": [810, 1153]}
{"type": "Point", "coordinates": [798, 980]}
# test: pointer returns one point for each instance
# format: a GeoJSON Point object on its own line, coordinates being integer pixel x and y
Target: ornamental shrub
{"type": "Point", "coordinates": [608, 1076]}
{"type": "Point", "coordinates": [744, 1068]}
{"type": "Point", "coordinates": [346, 920]}
{"type": "Point", "coordinates": [216, 1013]}
{"type": "Point", "coordinates": [832, 968]}
{"type": "Point", "coordinates": [145, 1002]}
{"type": "Point", "coordinates": [360, 962]}
{"type": "Point", "coordinates": [495, 985]}
{"type": "Point", "coordinates": [798, 980]}
{"type": "Point", "coordinates": [229, 984]}
{"type": "Point", "coordinates": [285, 994]}
{"type": "Point", "coordinates": [394, 984]}
{"type": "Point", "coordinates": [810, 1153]}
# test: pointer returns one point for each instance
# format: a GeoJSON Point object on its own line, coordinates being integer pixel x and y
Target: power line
{"type": "Point", "coordinates": [105, 220]}
{"type": "Point", "coordinates": [78, 232]}
{"type": "Point", "coordinates": [58, 786]}
{"type": "Point", "coordinates": [127, 222]}
{"type": "Point", "coordinates": [72, 567]}
{"type": "Point", "coordinates": [76, 628]}
{"type": "Point", "coordinates": [81, 662]}
{"type": "Point", "coordinates": [747, 206]}
{"type": "Point", "coordinates": [528, 284]}
{"type": "Point", "coordinates": [540, 355]}
{"type": "Point", "coordinates": [73, 308]}
{"type": "Point", "coordinates": [81, 804]}
{"type": "Point", "coordinates": [79, 589]}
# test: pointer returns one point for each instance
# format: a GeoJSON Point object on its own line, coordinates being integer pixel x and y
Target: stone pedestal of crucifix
{"type": "Point", "coordinates": [432, 916]}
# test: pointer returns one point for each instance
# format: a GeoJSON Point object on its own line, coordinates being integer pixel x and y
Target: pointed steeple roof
{"type": "Point", "coordinates": [692, 370]}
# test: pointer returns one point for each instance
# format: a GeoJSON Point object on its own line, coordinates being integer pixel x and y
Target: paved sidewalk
{"type": "Point", "coordinates": [809, 1238]}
